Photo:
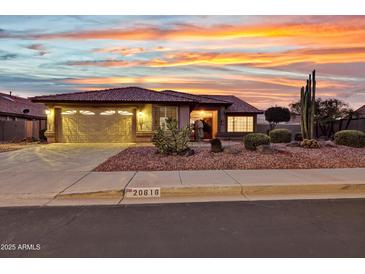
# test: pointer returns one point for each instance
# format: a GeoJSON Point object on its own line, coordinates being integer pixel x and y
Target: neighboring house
{"type": "Point", "coordinates": [294, 120]}
{"type": "Point", "coordinates": [20, 118]}
{"type": "Point", "coordinates": [360, 112]}
{"type": "Point", "coordinates": [293, 124]}
{"type": "Point", "coordinates": [132, 114]}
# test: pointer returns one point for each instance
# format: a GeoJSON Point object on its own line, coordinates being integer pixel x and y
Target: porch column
{"type": "Point", "coordinates": [50, 132]}
{"type": "Point", "coordinates": [58, 124]}
{"type": "Point", "coordinates": [54, 123]}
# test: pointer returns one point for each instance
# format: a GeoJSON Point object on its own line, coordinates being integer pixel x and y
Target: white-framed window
{"type": "Point", "coordinates": [240, 124]}
{"type": "Point", "coordinates": [161, 113]}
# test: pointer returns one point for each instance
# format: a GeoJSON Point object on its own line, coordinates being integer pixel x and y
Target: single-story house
{"type": "Point", "coordinates": [360, 112]}
{"type": "Point", "coordinates": [20, 118]}
{"type": "Point", "coordinates": [132, 114]}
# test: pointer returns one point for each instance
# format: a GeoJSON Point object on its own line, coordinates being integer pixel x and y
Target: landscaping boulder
{"type": "Point", "coordinates": [298, 136]}
{"type": "Point", "coordinates": [231, 150]}
{"type": "Point", "coordinates": [328, 143]}
{"type": "Point", "coordinates": [310, 143]}
{"type": "Point", "coordinates": [216, 145]}
{"type": "Point", "coordinates": [187, 152]}
{"type": "Point", "coordinates": [293, 144]}
{"type": "Point", "coordinates": [266, 149]}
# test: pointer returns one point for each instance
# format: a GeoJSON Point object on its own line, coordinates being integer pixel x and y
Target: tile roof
{"type": "Point", "coordinates": [202, 99]}
{"type": "Point", "coordinates": [18, 106]}
{"type": "Point", "coordinates": [137, 94]}
{"type": "Point", "coordinates": [361, 111]}
{"type": "Point", "coordinates": [127, 94]}
{"type": "Point", "coordinates": [237, 105]}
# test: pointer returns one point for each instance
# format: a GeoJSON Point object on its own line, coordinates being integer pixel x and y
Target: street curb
{"type": "Point", "coordinates": [248, 191]}
{"type": "Point", "coordinates": [109, 194]}
{"type": "Point", "coordinates": [200, 191]}
{"type": "Point", "coordinates": [303, 189]}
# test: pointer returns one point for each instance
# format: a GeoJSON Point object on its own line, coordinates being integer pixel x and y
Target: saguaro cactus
{"type": "Point", "coordinates": [307, 106]}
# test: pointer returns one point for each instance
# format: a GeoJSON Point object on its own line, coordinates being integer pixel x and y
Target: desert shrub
{"type": "Point", "coordinates": [350, 138]}
{"type": "Point", "coordinates": [253, 140]}
{"type": "Point", "coordinates": [310, 143]}
{"type": "Point", "coordinates": [216, 145]}
{"type": "Point", "coordinates": [172, 140]}
{"type": "Point", "coordinates": [298, 137]}
{"type": "Point", "coordinates": [280, 135]}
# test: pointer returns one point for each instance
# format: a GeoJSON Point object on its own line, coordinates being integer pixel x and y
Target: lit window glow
{"type": "Point", "coordinates": [86, 112]}
{"type": "Point", "coordinates": [240, 124]}
{"type": "Point", "coordinates": [69, 112]}
{"type": "Point", "coordinates": [123, 112]}
{"type": "Point", "coordinates": [108, 112]}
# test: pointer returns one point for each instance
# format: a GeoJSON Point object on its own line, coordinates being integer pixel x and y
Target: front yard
{"type": "Point", "coordinates": [5, 147]}
{"type": "Point", "coordinates": [146, 158]}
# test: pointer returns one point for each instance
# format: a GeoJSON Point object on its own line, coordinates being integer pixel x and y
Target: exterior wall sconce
{"type": "Point", "coordinates": [47, 111]}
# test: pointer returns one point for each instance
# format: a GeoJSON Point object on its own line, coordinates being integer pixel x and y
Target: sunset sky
{"type": "Point", "coordinates": [262, 59]}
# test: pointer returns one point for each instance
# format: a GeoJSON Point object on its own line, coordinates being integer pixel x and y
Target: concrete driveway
{"type": "Point", "coordinates": [58, 157]}
{"type": "Point", "coordinates": [36, 174]}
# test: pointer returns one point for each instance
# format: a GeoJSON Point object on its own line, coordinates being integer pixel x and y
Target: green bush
{"type": "Point", "coordinates": [350, 138]}
{"type": "Point", "coordinates": [216, 145]}
{"type": "Point", "coordinates": [253, 140]}
{"type": "Point", "coordinates": [280, 135]}
{"type": "Point", "coordinates": [172, 140]}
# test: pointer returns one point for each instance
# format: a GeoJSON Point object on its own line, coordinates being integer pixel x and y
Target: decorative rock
{"type": "Point", "coordinates": [266, 149]}
{"type": "Point", "coordinates": [310, 143]}
{"type": "Point", "coordinates": [293, 144]}
{"type": "Point", "coordinates": [188, 152]}
{"type": "Point", "coordinates": [329, 144]}
{"type": "Point", "coordinates": [231, 150]}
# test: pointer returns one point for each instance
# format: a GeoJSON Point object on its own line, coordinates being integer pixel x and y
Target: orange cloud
{"type": "Point", "coordinates": [103, 63]}
{"type": "Point", "coordinates": [126, 80]}
{"type": "Point", "coordinates": [122, 51]}
{"type": "Point", "coordinates": [343, 31]}
{"type": "Point", "coordinates": [233, 80]}
{"type": "Point", "coordinates": [316, 56]}
{"type": "Point", "coordinates": [321, 56]}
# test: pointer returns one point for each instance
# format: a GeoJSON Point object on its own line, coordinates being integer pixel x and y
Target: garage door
{"type": "Point", "coordinates": [97, 125]}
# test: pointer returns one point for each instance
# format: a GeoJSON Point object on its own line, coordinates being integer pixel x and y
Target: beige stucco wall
{"type": "Point", "coordinates": [183, 116]}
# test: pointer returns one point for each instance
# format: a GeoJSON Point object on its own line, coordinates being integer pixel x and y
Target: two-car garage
{"type": "Point", "coordinates": [97, 125]}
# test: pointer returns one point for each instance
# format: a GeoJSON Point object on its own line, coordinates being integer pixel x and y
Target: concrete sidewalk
{"type": "Point", "coordinates": [54, 188]}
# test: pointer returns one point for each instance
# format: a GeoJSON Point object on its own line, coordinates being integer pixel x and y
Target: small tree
{"type": "Point", "coordinates": [327, 113]}
{"type": "Point", "coordinates": [172, 140]}
{"type": "Point", "coordinates": [275, 115]}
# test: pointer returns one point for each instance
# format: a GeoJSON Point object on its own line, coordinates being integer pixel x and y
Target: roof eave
{"type": "Point", "coordinates": [109, 102]}
{"type": "Point", "coordinates": [244, 112]}
{"type": "Point", "coordinates": [20, 115]}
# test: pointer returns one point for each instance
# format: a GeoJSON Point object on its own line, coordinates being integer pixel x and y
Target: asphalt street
{"type": "Point", "coordinates": [300, 228]}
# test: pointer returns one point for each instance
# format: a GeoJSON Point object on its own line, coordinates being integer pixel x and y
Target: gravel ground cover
{"type": "Point", "coordinates": [5, 147]}
{"type": "Point", "coordinates": [146, 158]}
